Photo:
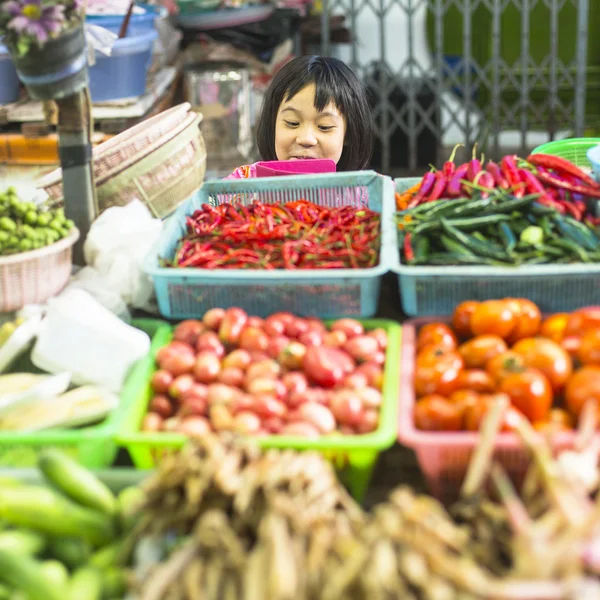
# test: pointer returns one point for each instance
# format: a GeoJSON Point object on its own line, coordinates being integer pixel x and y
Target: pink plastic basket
{"type": "Point", "coordinates": [444, 457]}
{"type": "Point", "coordinates": [33, 277]}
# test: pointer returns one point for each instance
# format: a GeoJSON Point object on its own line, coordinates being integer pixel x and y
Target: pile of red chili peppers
{"type": "Point", "coordinates": [294, 235]}
{"type": "Point", "coordinates": [561, 184]}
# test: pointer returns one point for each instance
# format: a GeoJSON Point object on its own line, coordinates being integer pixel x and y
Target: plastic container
{"type": "Point", "coordinates": [593, 155]}
{"type": "Point", "coordinates": [437, 290]}
{"type": "Point", "coordinates": [33, 277]}
{"type": "Point", "coordinates": [354, 456]}
{"type": "Point", "coordinates": [573, 149]}
{"type": "Point", "coordinates": [124, 73]}
{"type": "Point", "coordinates": [444, 456]}
{"type": "Point", "coordinates": [189, 293]}
{"type": "Point", "coordinates": [143, 19]}
{"type": "Point", "coordinates": [76, 322]}
{"type": "Point", "coordinates": [9, 80]}
{"type": "Point", "coordinates": [94, 446]}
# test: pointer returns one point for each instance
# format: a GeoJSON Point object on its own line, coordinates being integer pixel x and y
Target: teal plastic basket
{"type": "Point", "coordinates": [428, 291]}
{"type": "Point", "coordinates": [189, 293]}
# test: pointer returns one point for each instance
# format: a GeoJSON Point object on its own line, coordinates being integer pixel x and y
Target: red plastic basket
{"type": "Point", "coordinates": [444, 457]}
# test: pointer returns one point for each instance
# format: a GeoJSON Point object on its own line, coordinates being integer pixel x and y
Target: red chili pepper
{"type": "Point", "coordinates": [449, 166]}
{"type": "Point", "coordinates": [555, 181]}
{"type": "Point", "coordinates": [438, 188]}
{"type": "Point", "coordinates": [486, 181]}
{"type": "Point", "coordinates": [474, 166]}
{"type": "Point", "coordinates": [496, 173]}
{"type": "Point", "coordinates": [572, 210]}
{"type": "Point", "coordinates": [427, 184]}
{"type": "Point", "coordinates": [562, 166]}
{"type": "Point", "coordinates": [593, 221]}
{"type": "Point", "coordinates": [510, 171]}
{"type": "Point", "coordinates": [408, 249]}
{"type": "Point", "coordinates": [454, 187]}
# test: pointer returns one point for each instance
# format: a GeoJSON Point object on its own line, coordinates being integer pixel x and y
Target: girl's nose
{"type": "Point", "coordinates": [306, 137]}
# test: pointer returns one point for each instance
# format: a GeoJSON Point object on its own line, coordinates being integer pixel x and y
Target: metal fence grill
{"type": "Point", "coordinates": [494, 70]}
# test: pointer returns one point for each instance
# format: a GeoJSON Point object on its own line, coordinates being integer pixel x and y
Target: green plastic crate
{"type": "Point", "coordinates": [353, 456]}
{"type": "Point", "coordinates": [572, 149]}
{"type": "Point", "coordinates": [94, 446]}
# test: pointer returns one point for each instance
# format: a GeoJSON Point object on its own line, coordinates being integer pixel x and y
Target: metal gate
{"type": "Point", "coordinates": [489, 71]}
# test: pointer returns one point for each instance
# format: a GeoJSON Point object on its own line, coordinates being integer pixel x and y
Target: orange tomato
{"type": "Point", "coordinates": [503, 364]}
{"type": "Point", "coordinates": [493, 317]}
{"type": "Point", "coordinates": [529, 319]}
{"type": "Point", "coordinates": [583, 385]}
{"type": "Point", "coordinates": [436, 413]}
{"type": "Point", "coordinates": [530, 392]}
{"type": "Point", "coordinates": [582, 320]}
{"type": "Point", "coordinates": [477, 351]}
{"type": "Point", "coordinates": [436, 372]}
{"type": "Point", "coordinates": [461, 319]}
{"type": "Point", "coordinates": [436, 334]}
{"type": "Point", "coordinates": [588, 352]}
{"type": "Point", "coordinates": [475, 413]}
{"type": "Point", "coordinates": [554, 327]}
{"type": "Point", "coordinates": [558, 420]}
{"type": "Point", "coordinates": [463, 399]}
{"type": "Point", "coordinates": [477, 380]}
{"type": "Point", "coordinates": [548, 357]}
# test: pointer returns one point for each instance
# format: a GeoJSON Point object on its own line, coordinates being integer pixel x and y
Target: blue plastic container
{"type": "Point", "coordinates": [139, 23]}
{"type": "Point", "coordinates": [124, 73]}
{"type": "Point", "coordinates": [189, 293]}
{"type": "Point", "coordinates": [9, 81]}
{"type": "Point", "coordinates": [593, 155]}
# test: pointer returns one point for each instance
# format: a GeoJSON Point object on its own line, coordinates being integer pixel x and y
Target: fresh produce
{"type": "Point", "coordinates": [547, 368]}
{"type": "Point", "coordinates": [50, 542]}
{"type": "Point", "coordinates": [294, 235]}
{"type": "Point", "coordinates": [8, 328]}
{"type": "Point", "coordinates": [515, 213]}
{"type": "Point", "coordinates": [279, 526]}
{"type": "Point", "coordinates": [25, 226]}
{"type": "Point", "coordinates": [281, 375]}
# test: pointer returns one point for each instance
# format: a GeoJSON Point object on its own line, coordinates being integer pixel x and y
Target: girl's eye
{"type": "Point", "coordinates": [292, 123]}
{"type": "Point", "coordinates": [326, 127]}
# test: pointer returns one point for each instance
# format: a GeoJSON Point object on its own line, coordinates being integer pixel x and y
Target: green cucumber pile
{"type": "Point", "coordinates": [496, 229]}
{"type": "Point", "coordinates": [67, 540]}
{"type": "Point", "coordinates": [25, 226]}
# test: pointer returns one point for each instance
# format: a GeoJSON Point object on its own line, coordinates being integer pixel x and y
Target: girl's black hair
{"type": "Point", "coordinates": [335, 83]}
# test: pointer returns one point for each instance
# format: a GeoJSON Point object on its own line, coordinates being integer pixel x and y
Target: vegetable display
{"type": "Point", "coordinates": [509, 214]}
{"type": "Point", "coordinates": [281, 375]}
{"type": "Point", "coordinates": [547, 369]}
{"type": "Point", "coordinates": [294, 235]}
{"type": "Point", "coordinates": [67, 539]}
{"type": "Point", "coordinates": [25, 226]}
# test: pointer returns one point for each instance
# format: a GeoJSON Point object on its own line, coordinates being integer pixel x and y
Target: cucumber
{"type": "Point", "coordinates": [73, 552]}
{"type": "Point", "coordinates": [5, 592]}
{"type": "Point", "coordinates": [106, 557]}
{"type": "Point", "coordinates": [56, 572]}
{"type": "Point", "coordinates": [22, 541]}
{"type": "Point", "coordinates": [129, 501]}
{"type": "Point", "coordinates": [42, 509]}
{"type": "Point", "coordinates": [26, 574]}
{"type": "Point", "coordinates": [86, 583]}
{"type": "Point", "coordinates": [76, 481]}
{"type": "Point", "coordinates": [114, 583]}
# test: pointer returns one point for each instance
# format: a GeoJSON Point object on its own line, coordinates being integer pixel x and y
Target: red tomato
{"type": "Point", "coordinates": [584, 385]}
{"type": "Point", "coordinates": [589, 348]}
{"type": "Point", "coordinates": [362, 347]}
{"type": "Point", "coordinates": [530, 392]}
{"type": "Point", "coordinates": [207, 367]}
{"type": "Point", "coordinates": [350, 327]}
{"type": "Point", "coordinates": [294, 329]}
{"type": "Point", "coordinates": [232, 325]}
{"type": "Point", "coordinates": [292, 356]}
{"type": "Point", "coordinates": [582, 320]}
{"type": "Point", "coordinates": [209, 340]}
{"type": "Point", "coordinates": [548, 357]}
{"type": "Point", "coordinates": [312, 337]}
{"type": "Point", "coordinates": [436, 372]}
{"type": "Point", "coordinates": [493, 317]}
{"type": "Point", "coordinates": [161, 380]}
{"type": "Point", "coordinates": [240, 359]}
{"type": "Point", "coordinates": [176, 358]}
{"type": "Point", "coordinates": [326, 366]}
{"type": "Point", "coordinates": [435, 413]}
{"type": "Point", "coordinates": [188, 331]}
{"type": "Point", "coordinates": [213, 317]}
{"type": "Point", "coordinates": [274, 326]}
{"type": "Point", "coordinates": [476, 412]}
{"type": "Point", "coordinates": [529, 319]}
{"type": "Point", "coordinates": [254, 339]}
{"type": "Point", "coordinates": [478, 351]}
{"type": "Point", "coordinates": [436, 334]}
{"type": "Point", "coordinates": [347, 407]}
{"type": "Point", "coordinates": [277, 344]}
{"type": "Point", "coordinates": [503, 364]}
{"type": "Point", "coordinates": [335, 339]}
{"type": "Point", "coordinates": [461, 319]}
{"type": "Point", "coordinates": [554, 327]}
{"type": "Point", "coordinates": [477, 380]}
{"type": "Point", "coordinates": [162, 406]}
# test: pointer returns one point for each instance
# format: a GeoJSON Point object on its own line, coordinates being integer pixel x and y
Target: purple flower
{"type": "Point", "coordinates": [32, 18]}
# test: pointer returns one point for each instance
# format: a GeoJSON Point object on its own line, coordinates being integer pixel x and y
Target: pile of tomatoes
{"type": "Point", "coordinates": [548, 368]}
{"type": "Point", "coordinates": [281, 375]}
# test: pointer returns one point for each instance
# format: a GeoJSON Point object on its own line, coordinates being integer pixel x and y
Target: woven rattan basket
{"type": "Point", "coordinates": [161, 162]}
{"type": "Point", "coordinates": [33, 277]}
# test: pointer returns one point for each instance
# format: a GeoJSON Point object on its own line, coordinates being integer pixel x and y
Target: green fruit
{"type": "Point", "coordinates": [44, 219]}
{"type": "Point", "coordinates": [7, 224]}
{"type": "Point", "coordinates": [4, 236]}
{"type": "Point", "coordinates": [31, 218]}
{"type": "Point", "coordinates": [25, 245]}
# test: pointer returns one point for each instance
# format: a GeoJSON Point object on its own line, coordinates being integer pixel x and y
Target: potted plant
{"type": "Point", "coordinates": [46, 40]}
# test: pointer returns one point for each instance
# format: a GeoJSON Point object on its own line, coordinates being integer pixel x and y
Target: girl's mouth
{"type": "Point", "coordinates": [303, 158]}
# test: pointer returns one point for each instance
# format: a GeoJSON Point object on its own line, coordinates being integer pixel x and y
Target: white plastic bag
{"type": "Point", "coordinates": [116, 246]}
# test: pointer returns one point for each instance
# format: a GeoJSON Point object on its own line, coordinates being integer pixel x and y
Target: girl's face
{"type": "Point", "coordinates": [302, 132]}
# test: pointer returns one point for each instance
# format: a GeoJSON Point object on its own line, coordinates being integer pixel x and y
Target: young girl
{"type": "Point", "coordinates": [315, 107]}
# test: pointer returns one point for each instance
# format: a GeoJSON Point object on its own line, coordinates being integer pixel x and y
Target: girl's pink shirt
{"type": "Point", "coordinates": [244, 172]}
